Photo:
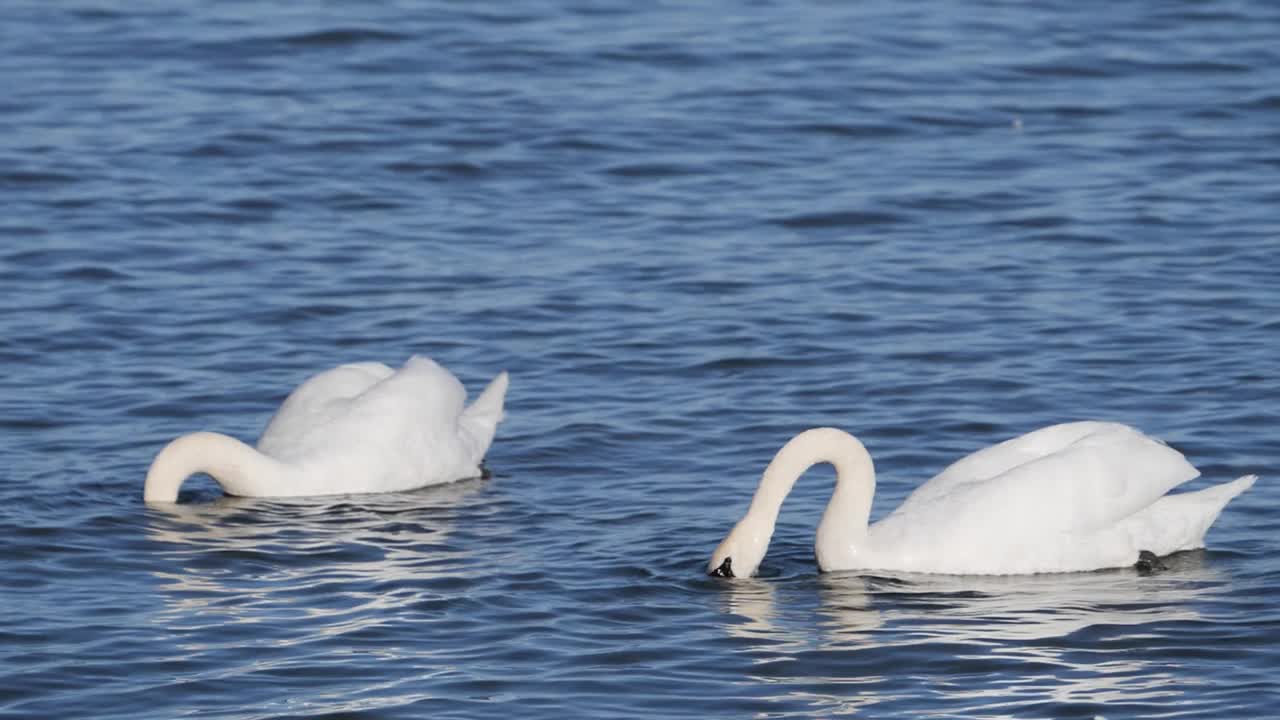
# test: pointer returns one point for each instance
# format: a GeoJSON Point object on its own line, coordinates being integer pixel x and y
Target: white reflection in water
{"type": "Point", "coordinates": [1072, 631]}
{"type": "Point", "coordinates": [991, 611]}
{"type": "Point", "coordinates": [786, 625]}
{"type": "Point", "coordinates": [256, 560]}
{"type": "Point", "coordinates": [1036, 620]}
{"type": "Point", "coordinates": [754, 601]}
{"type": "Point", "coordinates": [847, 615]}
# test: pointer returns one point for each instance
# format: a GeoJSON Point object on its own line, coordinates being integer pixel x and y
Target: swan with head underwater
{"type": "Point", "coordinates": [1072, 497]}
{"type": "Point", "coordinates": [357, 428]}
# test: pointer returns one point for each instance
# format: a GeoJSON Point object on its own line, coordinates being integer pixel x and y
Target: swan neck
{"type": "Point", "coordinates": [227, 460]}
{"type": "Point", "coordinates": [855, 474]}
{"type": "Point", "coordinates": [850, 504]}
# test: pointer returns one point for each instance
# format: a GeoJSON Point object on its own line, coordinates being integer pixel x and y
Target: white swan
{"type": "Point", "coordinates": [1070, 497]}
{"type": "Point", "coordinates": [359, 428]}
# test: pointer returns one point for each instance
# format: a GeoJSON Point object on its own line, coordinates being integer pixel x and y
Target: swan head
{"type": "Point", "coordinates": [742, 550]}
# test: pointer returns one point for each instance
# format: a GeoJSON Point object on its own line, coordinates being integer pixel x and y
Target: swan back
{"type": "Point", "coordinates": [997, 459]}
{"type": "Point", "coordinates": [402, 430]}
{"type": "Point", "coordinates": [365, 405]}
{"type": "Point", "coordinates": [320, 396]}
{"type": "Point", "coordinates": [1063, 477]}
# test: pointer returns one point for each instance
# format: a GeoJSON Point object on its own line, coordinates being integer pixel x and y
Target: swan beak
{"type": "Point", "coordinates": [725, 570]}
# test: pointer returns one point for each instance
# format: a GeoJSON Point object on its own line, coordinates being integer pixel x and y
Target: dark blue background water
{"type": "Point", "coordinates": [689, 231]}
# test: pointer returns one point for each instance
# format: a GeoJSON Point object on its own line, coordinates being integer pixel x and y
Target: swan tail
{"type": "Point", "coordinates": [1212, 500]}
{"type": "Point", "coordinates": [480, 419]}
{"type": "Point", "coordinates": [1237, 486]}
{"type": "Point", "coordinates": [488, 407]}
{"type": "Point", "coordinates": [1180, 521]}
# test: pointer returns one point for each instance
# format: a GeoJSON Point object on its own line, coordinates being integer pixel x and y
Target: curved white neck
{"type": "Point", "coordinates": [227, 460]}
{"type": "Point", "coordinates": [844, 523]}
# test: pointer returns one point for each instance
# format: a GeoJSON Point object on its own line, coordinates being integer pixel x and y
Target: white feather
{"type": "Point", "coordinates": [1077, 496]}
{"type": "Point", "coordinates": [358, 428]}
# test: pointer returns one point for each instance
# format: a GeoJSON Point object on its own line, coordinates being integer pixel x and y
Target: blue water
{"type": "Point", "coordinates": [688, 231]}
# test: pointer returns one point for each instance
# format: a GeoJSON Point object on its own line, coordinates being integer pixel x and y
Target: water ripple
{"type": "Point", "coordinates": [688, 233]}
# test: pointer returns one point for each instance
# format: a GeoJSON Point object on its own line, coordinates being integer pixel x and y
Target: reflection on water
{"type": "Point", "coordinates": [247, 560]}
{"type": "Point", "coordinates": [994, 610]}
{"type": "Point", "coordinates": [846, 611]}
{"type": "Point", "coordinates": [980, 642]}
{"type": "Point", "coordinates": [753, 600]}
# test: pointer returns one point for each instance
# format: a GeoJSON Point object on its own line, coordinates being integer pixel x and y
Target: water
{"type": "Point", "coordinates": [688, 231]}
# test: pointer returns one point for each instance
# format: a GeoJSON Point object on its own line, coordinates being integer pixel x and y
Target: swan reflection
{"type": "Point", "coordinates": [1047, 638]}
{"type": "Point", "coordinates": [759, 615]}
{"type": "Point", "coordinates": [846, 610]}
{"type": "Point", "coordinates": [754, 601]}
{"type": "Point", "coordinates": [993, 610]}
{"type": "Point", "coordinates": [243, 560]}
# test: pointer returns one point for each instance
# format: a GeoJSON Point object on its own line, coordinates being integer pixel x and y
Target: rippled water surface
{"type": "Point", "coordinates": [688, 231]}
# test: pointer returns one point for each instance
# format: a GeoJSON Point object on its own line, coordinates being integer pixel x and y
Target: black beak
{"type": "Point", "coordinates": [725, 569]}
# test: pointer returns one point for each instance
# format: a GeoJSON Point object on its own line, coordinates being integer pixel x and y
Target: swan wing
{"type": "Point", "coordinates": [1094, 482]}
{"type": "Point", "coordinates": [403, 432]}
{"type": "Point", "coordinates": [366, 406]}
{"type": "Point", "coordinates": [1002, 457]}
{"type": "Point", "coordinates": [315, 400]}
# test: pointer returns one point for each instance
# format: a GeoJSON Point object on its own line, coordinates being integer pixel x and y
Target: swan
{"type": "Point", "coordinates": [1071, 497]}
{"type": "Point", "coordinates": [357, 428]}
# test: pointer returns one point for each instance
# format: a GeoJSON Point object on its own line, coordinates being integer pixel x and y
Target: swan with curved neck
{"type": "Point", "coordinates": [232, 463]}
{"type": "Point", "coordinates": [358, 428]}
{"type": "Point", "coordinates": [1070, 497]}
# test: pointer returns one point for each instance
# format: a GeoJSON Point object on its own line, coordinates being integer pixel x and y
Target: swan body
{"type": "Point", "coordinates": [358, 428]}
{"type": "Point", "coordinates": [1070, 497]}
